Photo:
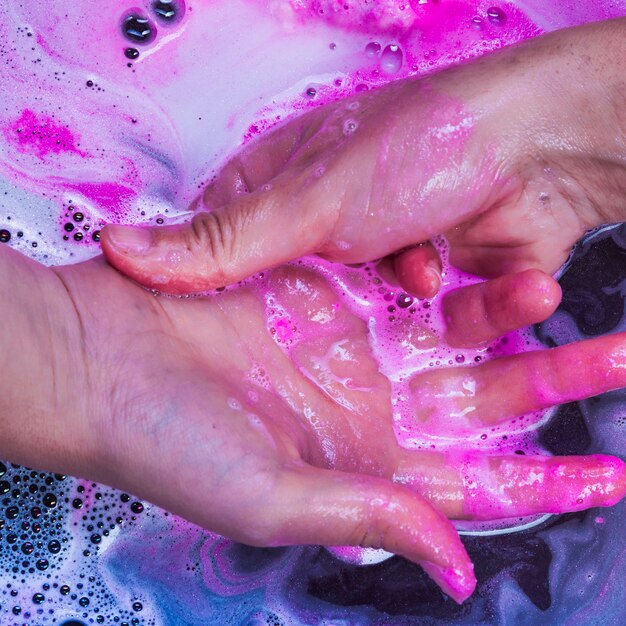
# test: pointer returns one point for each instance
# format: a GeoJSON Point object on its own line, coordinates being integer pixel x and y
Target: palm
{"type": "Point", "coordinates": [269, 404]}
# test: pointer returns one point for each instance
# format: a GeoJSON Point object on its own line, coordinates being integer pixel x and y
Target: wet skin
{"type": "Point", "coordinates": [270, 406]}
{"type": "Point", "coordinates": [512, 156]}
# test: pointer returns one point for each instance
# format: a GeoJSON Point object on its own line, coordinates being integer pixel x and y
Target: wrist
{"type": "Point", "coordinates": [580, 131]}
{"type": "Point", "coordinates": [40, 390]}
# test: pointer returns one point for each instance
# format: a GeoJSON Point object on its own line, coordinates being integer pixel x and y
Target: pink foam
{"type": "Point", "coordinates": [41, 135]}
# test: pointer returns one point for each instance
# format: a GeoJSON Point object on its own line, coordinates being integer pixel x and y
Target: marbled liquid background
{"type": "Point", "coordinates": [133, 141]}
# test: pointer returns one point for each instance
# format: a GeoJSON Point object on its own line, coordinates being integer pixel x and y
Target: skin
{"type": "Point", "coordinates": [270, 406]}
{"type": "Point", "coordinates": [512, 156]}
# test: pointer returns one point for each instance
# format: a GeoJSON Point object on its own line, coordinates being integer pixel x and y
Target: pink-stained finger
{"type": "Point", "coordinates": [477, 486]}
{"type": "Point", "coordinates": [318, 506]}
{"type": "Point", "coordinates": [418, 270]}
{"type": "Point", "coordinates": [510, 486]}
{"type": "Point", "coordinates": [470, 397]}
{"type": "Point", "coordinates": [484, 311]}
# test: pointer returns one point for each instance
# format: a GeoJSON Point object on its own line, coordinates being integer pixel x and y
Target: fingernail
{"type": "Point", "coordinates": [432, 280]}
{"type": "Point", "coordinates": [133, 240]}
{"type": "Point", "coordinates": [458, 584]}
{"type": "Point", "coordinates": [435, 268]}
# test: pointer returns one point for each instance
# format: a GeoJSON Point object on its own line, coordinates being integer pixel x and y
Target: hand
{"type": "Point", "coordinates": [513, 157]}
{"type": "Point", "coordinates": [260, 413]}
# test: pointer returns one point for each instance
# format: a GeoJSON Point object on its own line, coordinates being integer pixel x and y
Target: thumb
{"type": "Point", "coordinates": [332, 508]}
{"type": "Point", "coordinates": [254, 232]}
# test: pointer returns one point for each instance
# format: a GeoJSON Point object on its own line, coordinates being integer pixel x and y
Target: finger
{"type": "Point", "coordinates": [316, 506]}
{"type": "Point", "coordinates": [512, 386]}
{"type": "Point", "coordinates": [484, 311]}
{"type": "Point", "coordinates": [255, 232]}
{"type": "Point", "coordinates": [418, 270]}
{"type": "Point", "coordinates": [480, 487]}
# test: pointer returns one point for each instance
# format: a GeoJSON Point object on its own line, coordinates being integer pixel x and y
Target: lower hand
{"type": "Point", "coordinates": [267, 407]}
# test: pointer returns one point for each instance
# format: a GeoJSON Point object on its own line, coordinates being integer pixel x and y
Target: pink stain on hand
{"type": "Point", "coordinates": [41, 135]}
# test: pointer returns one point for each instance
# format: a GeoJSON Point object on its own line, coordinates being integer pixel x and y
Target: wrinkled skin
{"type": "Point", "coordinates": [513, 157]}
{"type": "Point", "coordinates": [265, 412]}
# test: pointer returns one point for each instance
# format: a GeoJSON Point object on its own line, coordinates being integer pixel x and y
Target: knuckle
{"type": "Point", "coordinates": [374, 527]}
{"type": "Point", "coordinates": [213, 236]}
{"type": "Point", "coordinates": [264, 527]}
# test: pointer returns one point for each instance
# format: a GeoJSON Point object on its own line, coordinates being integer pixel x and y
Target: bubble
{"type": "Point", "coordinates": [496, 15]}
{"type": "Point", "coordinates": [96, 235]}
{"type": "Point", "coordinates": [138, 28]}
{"type": "Point", "coordinates": [5, 235]}
{"type": "Point", "coordinates": [372, 49]}
{"type": "Point", "coordinates": [349, 126]}
{"type": "Point", "coordinates": [404, 300]}
{"type": "Point", "coordinates": [310, 92]}
{"type": "Point", "coordinates": [69, 227]}
{"type": "Point", "coordinates": [54, 546]}
{"type": "Point", "coordinates": [12, 512]}
{"type": "Point", "coordinates": [39, 598]}
{"type": "Point", "coordinates": [137, 606]}
{"type": "Point", "coordinates": [77, 503]}
{"type": "Point", "coordinates": [169, 10]}
{"type": "Point", "coordinates": [391, 59]}
{"type": "Point", "coordinates": [78, 236]}
{"type": "Point", "coordinates": [136, 507]}
{"type": "Point", "coordinates": [78, 216]}
{"type": "Point", "coordinates": [131, 53]}
{"type": "Point", "coordinates": [50, 500]}
{"type": "Point", "coordinates": [42, 565]}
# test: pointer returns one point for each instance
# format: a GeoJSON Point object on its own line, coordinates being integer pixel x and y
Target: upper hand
{"type": "Point", "coordinates": [513, 157]}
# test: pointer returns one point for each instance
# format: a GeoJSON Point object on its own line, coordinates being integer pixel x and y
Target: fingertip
{"type": "Point", "coordinates": [538, 293]}
{"type": "Point", "coordinates": [483, 311]}
{"type": "Point", "coordinates": [457, 582]}
{"type": "Point", "coordinates": [418, 271]}
{"type": "Point", "coordinates": [117, 239]}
